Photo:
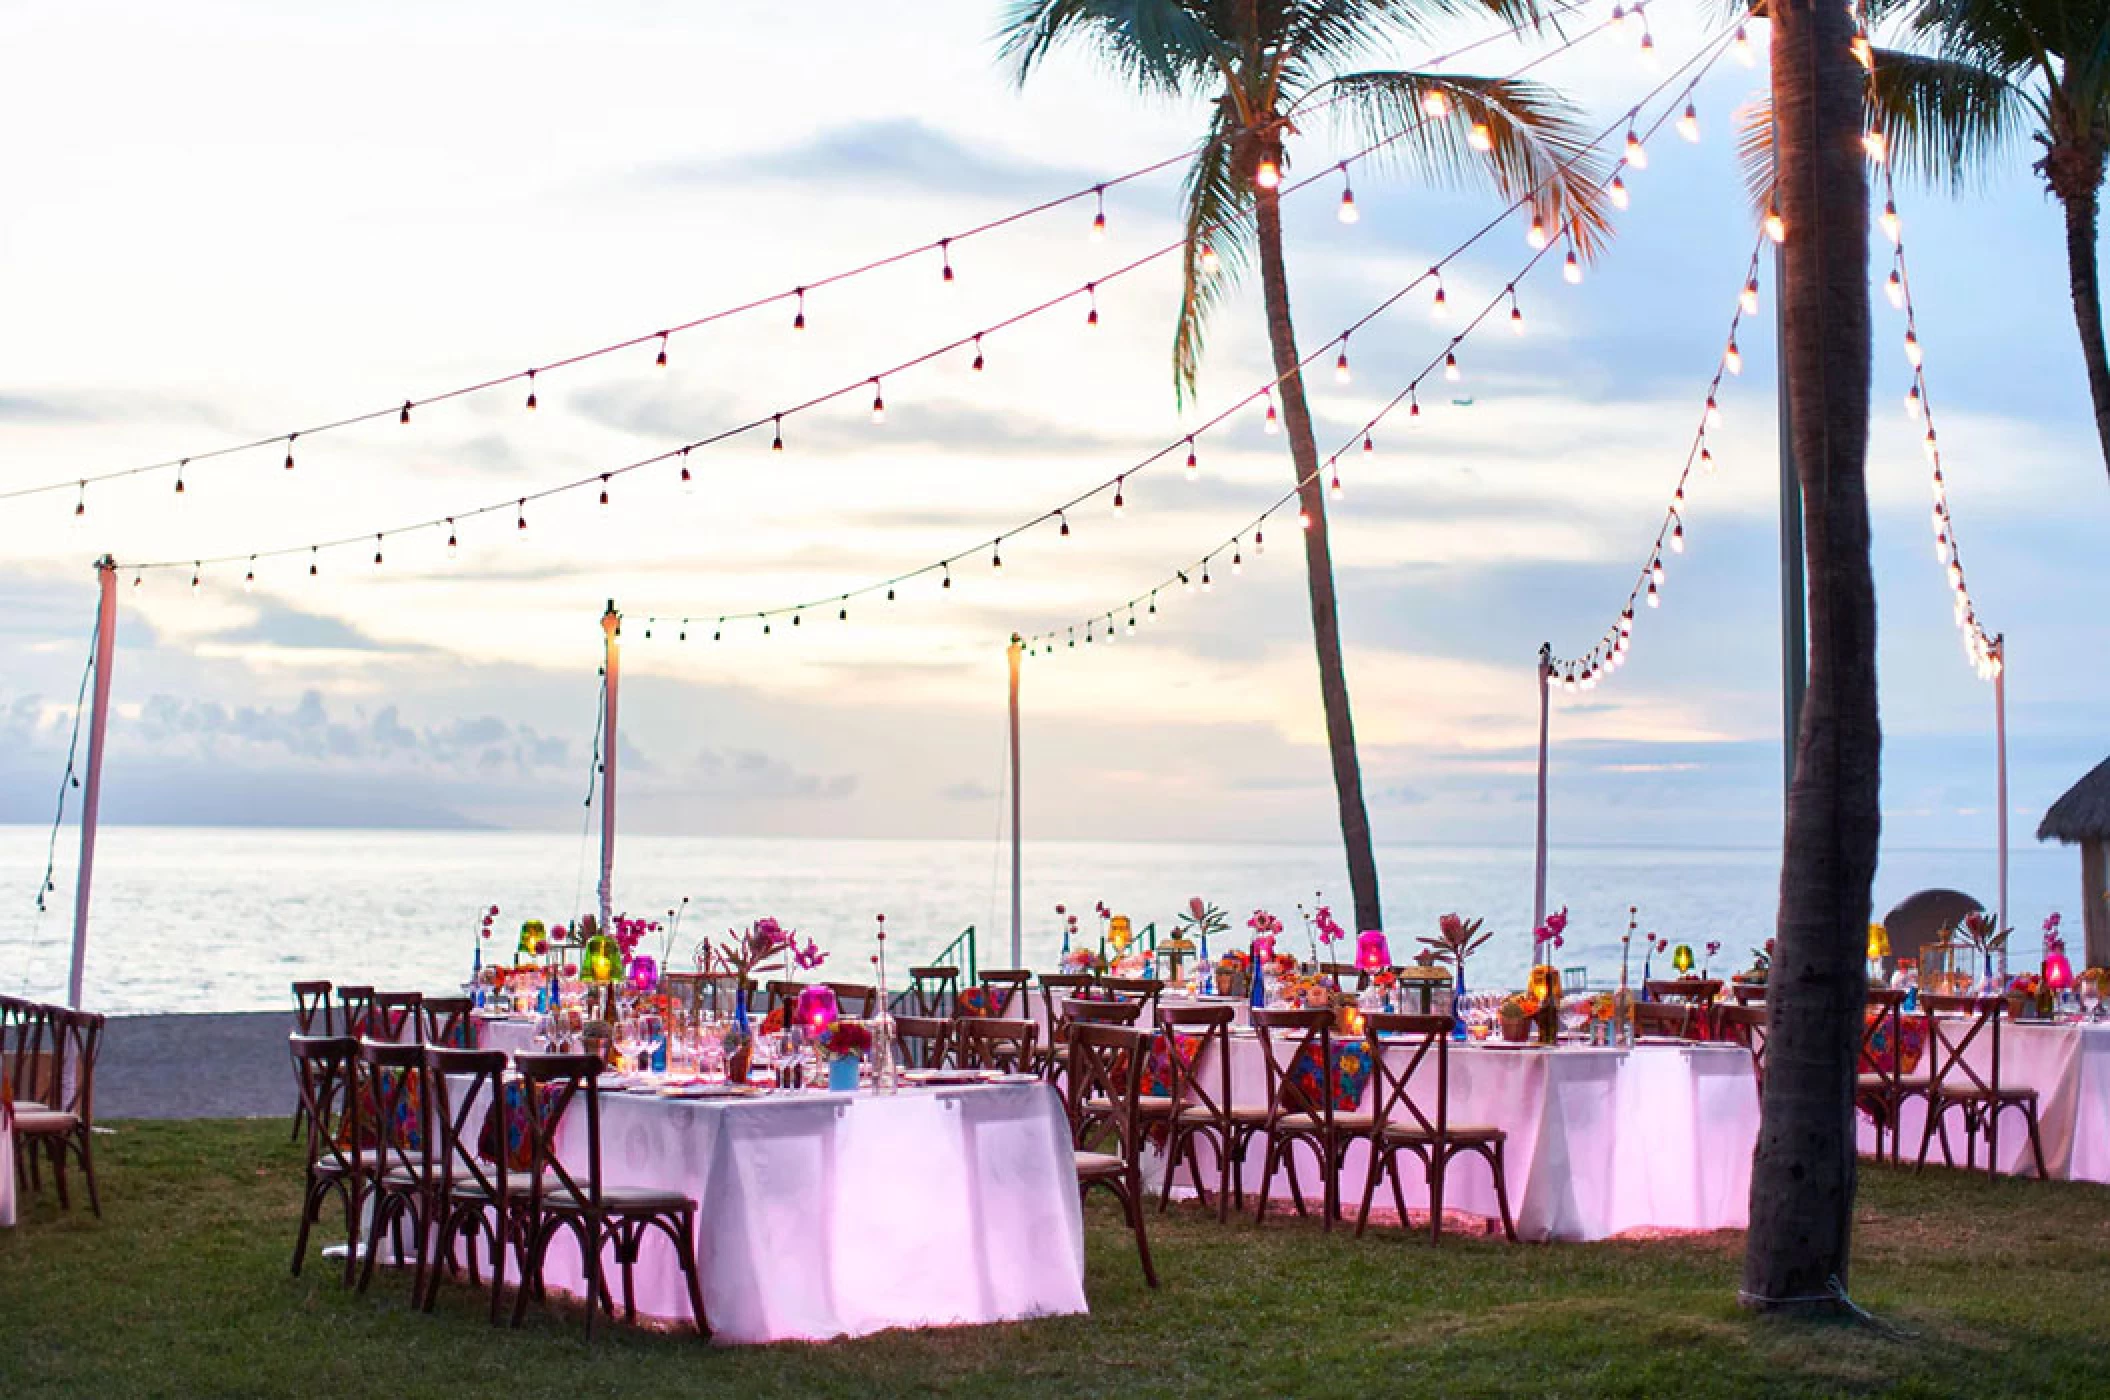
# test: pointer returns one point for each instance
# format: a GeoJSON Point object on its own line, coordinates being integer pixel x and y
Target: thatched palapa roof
{"type": "Point", "coordinates": [2083, 814]}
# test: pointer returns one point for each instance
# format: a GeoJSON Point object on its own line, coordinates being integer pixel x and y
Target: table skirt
{"type": "Point", "coordinates": [2069, 1067]}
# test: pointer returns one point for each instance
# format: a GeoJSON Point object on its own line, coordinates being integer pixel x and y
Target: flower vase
{"type": "Point", "coordinates": [740, 1041]}
{"type": "Point", "coordinates": [1458, 1031]}
{"type": "Point", "coordinates": [842, 1073]}
{"type": "Point", "coordinates": [1545, 988]}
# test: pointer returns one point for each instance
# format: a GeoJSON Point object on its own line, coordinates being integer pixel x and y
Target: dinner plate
{"type": "Point", "coordinates": [944, 1076]}
{"type": "Point", "coordinates": [1016, 1079]}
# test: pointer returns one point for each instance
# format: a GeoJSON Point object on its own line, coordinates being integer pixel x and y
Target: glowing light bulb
{"type": "Point", "coordinates": [1536, 234]}
{"type": "Point", "coordinates": [1618, 21]}
{"type": "Point", "coordinates": [405, 418]}
{"type": "Point", "coordinates": [1237, 560]}
{"type": "Point", "coordinates": [1450, 368]}
{"type": "Point", "coordinates": [1270, 424]}
{"type": "Point", "coordinates": [1912, 403]}
{"type": "Point", "coordinates": [1440, 306]}
{"type": "Point", "coordinates": [1713, 413]}
{"type": "Point", "coordinates": [1892, 228]}
{"type": "Point", "coordinates": [977, 365]}
{"type": "Point", "coordinates": [1091, 292]}
{"type": "Point", "coordinates": [1259, 543]}
{"type": "Point", "coordinates": [878, 403]}
{"type": "Point", "coordinates": [1648, 49]}
{"type": "Point", "coordinates": [1120, 502]}
{"type": "Point", "coordinates": [1894, 288]}
{"type": "Point", "coordinates": [1636, 153]}
{"type": "Point", "coordinates": [1334, 486]}
{"type": "Point", "coordinates": [1480, 138]}
{"type": "Point", "coordinates": [1209, 261]}
{"type": "Point", "coordinates": [1655, 571]}
{"type": "Point", "coordinates": [1618, 193]}
{"type": "Point", "coordinates": [1706, 458]}
{"type": "Point", "coordinates": [1677, 538]}
{"type": "Point", "coordinates": [1733, 358]}
{"type": "Point", "coordinates": [289, 450]}
{"type": "Point", "coordinates": [1689, 123]}
{"type": "Point", "coordinates": [1267, 174]}
{"type": "Point", "coordinates": [1655, 599]}
{"type": "Point", "coordinates": [1571, 269]}
{"type": "Point", "coordinates": [798, 319]}
{"type": "Point", "coordinates": [1368, 445]}
{"type": "Point", "coordinates": [1348, 210]}
{"type": "Point", "coordinates": [1877, 147]}
{"type": "Point", "coordinates": [1099, 217]}
{"type": "Point", "coordinates": [604, 488]}
{"type": "Point", "coordinates": [1303, 519]}
{"type": "Point", "coordinates": [1863, 53]}
{"type": "Point", "coordinates": [1932, 448]}
{"type": "Point", "coordinates": [1742, 47]}
{"type": "Point", "coordinates": [1912, 348]}
{"type": "Point", "coordinates": [1941, 548]}
{"type": "Point", "coordinates": [1516, 318]}
{"type": "Point", "coordinates": [249, 581]}
{"type": "Point", "coordinates": [1437, 103]}
{"type": "Point", "coordinates": [531, 391]}
{"type": "Point", "coordinates": [660, 360]}
{"type": "Point", "coordinates": [1749, 300]}
{"type": "Point", "coordinates": [1776, 227]}
{"type": "Point", "coordinates": [776, 439]}
{"type": "Point", "coordinates": [1341, 372]}
{"type": "Point", "coordinates": [1193, 463]}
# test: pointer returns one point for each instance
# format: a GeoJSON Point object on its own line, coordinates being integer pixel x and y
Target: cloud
{"type": "Point", "coordinates": [967, 792]}
{"type": "Point", "coordinates": [749, 773]}
{"type": "Point", "coordinates": [890, 154]}
{"type": "Point", "coordinates": [277, 624]}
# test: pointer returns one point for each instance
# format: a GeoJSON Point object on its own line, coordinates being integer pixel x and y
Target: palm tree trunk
{"type": "Point", "coordinates": [1318, 568]}
{"type": "Point", "coordinates": [2088, 304]}
{"type": "Point", "coordinates": [1797, 1251]}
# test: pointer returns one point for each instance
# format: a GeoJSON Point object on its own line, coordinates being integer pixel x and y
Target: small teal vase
{"type": "Point", "coordinates": [842, 1074]}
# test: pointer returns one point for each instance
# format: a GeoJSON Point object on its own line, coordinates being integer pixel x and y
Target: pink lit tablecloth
{"type": "Point", "coordinates": [2069, 1067]}
{"type": "Point", "coordinates": [7, 1167]}
{"type": "Point", "coordinates": [832, 1215]}
{"type": "Point", "coordinates": [1601, 1141]}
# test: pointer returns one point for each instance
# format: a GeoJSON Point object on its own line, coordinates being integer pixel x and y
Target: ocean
{"type": "Point", "coordinates": [222, 919]}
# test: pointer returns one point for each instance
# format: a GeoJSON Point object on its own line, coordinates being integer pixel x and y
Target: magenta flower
{"type": "Point", "coordinates": [1330, 931]}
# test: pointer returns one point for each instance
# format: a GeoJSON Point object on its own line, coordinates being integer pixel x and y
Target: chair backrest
{"type": "Point", "coordinates": [354, 1005]}
{"type": "Point", "coordinates": [324, 1075]}
{"type": "Point", "coordinates": [1745, 1026]}
{"type": "Point", "coordinates": [985, 1042]}
{"type": "Point", "coordinates": [1058, 987]}
{"type": "Point", "coordinates": [445, 1021]}
{"type": "Point", "coordinates": [933, 990]}
{"type": "Point", "coordinates": [1006, 990]}
{"type": "Point", "coordinates": [551, 1084]}
{"type": "Point", "coordinates": [1286, 1035]}
{"type": "Point", "coordinates": [462, 1087]}
{"type": "Point", "coordinates": [1103, 1013]}
{"type": "Point", "coordinates": [1104, 1069]}
{"type": "Point", "coordinates": [394, 1016]}
{"type": "Point", "coordinates": [1694, 991]}
{"type": "Point", "coordinates": [311, 1000]}
{"type": "Point", "coordinates": [1197, 1040]}
{"type": "Point", "coordinates": [29, 1061]}
{"type": "Point", "coordinates": [1141, 990]}
{"type": "Point", "coordinates": [1748, 993]}
{"type": "Point", "coordinates": [390, 1082]}
{"type": "Point", "coordinates": [1954, 1024]}
{"type": "Point", "coordinates": [76, 1042]}
{"type": "Point", "coordinates": [855, 999]}
{"type": "Point", "coordinates": [925, 1040]}
{"type": "Point", "coordinates": [1671, 1018]}
{"type": "Point", "coordinates": [1399, 1046]}
{"type": "Point", "coordinates": [1344, 974]}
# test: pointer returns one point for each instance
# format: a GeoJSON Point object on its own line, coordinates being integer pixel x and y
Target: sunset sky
{"type": "Point", "coordinates": [229, 220]}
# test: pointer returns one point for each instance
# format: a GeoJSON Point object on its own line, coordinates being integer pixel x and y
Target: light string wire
{"type": "Point", "coordinates": [871, 380]}
{"type": "Point", "coordinates": [1609, 652]}
{"type": "Point", "coordinates": [1983, 649]}
{"type": "Point", "coordinates": [1115, 483]}
{"type": "Point", "coordinates": [68, 781]}
{"type": "Point", "coordinates": [1185, 576]}
{"type": "Point", "coordinates": [942, 247]}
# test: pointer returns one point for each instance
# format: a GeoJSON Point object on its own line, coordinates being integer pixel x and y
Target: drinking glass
{"type": "Point", "coordinates": [2091, 997]}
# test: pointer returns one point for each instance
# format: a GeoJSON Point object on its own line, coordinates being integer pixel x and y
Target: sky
{"type": "Point", "coordinates": [230, 221]}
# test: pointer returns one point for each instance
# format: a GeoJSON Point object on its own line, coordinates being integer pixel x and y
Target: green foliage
{"type": "Point", "coordinates": [182, 1290]}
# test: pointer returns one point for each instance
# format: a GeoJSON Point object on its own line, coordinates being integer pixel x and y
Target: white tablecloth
{"type": "Point", "coordinates": [511, 1034]}
{"type": "Point", "coordinates": [831, 1215]}
{"type": "Point", "coordinates": [1600, 1141]}
{"type": "Point", "coordinates": [2068, 1066]}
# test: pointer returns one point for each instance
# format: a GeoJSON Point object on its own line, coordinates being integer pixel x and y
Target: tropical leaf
{"type": "Point", "coordinates": [1536, 141]}
{"type": "Point", "coordinates": [1219, 205]}
{"type": "Point", "coordinates": [1161, 46]}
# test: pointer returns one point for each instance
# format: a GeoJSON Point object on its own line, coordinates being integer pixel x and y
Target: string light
{"type": "Point", "coordinates": [1689, 123]}
{"type": "Point", "coordinates": [776, 441]}
{"type": "Point", "coordinates": [1894, 289]}
{"type": "Point", "coordinates": [1776, 227]}
{"type": "Point", "coordinates": [1571, 269]}
{"type": "Point", "coordinates": [1875, 145]}
{"type": "Point", "coordinates": [1888, 219]}
{"type": "Point", "coordinates": [977, 366]}
{"type": "Point", "coordinates": [1749, 300]}
{"type": "Point", "coordinates": [1741, 46]}
{"type": "Point", "coordinates": [80, 504]}
{"type": "Point", "coordinates": [179, 476]}
{"type": "Point", "coordinates": [1516, 313]}
{"type": "Point", "coordinates": [454, 543]}
{"type": "Point", "coordinates": [878, 403]}
{"type": "Point", "coordinates": [1269, 424]}
{"type": "Point", "coordinates": [1267, 175]}
{"type": "Point", "coordinates": [1091, 292]}
{"type": "Point", "coordinates": [660, 360]}
{"type": "Point", "coordinates": [377, 551]}
{"type": "Point", "coordinates": [1436, 102]}
{"type": "Point", "coordinates": [1348, 213]}
{"type": "Point", "coordinates": [314, 565]}
{"type": "Point", "coordinates": [1733, 358]}
{"type": "Point", "coordinates": [1619, 196]}
{"type": "Point", "coordinates": [1439, 307]}
{"type": "Point", "coordinates": [520, 524]}
{"type": "Point", "coordinates": [688, 480]}
{"type": "Point", "coordinates": [1636, 153]}
{"type": "Point", "coordinates": [1119, 503]}
{"type": "Point", "coordinates": [604, 488]}
{"type": "Point", "coordinates": [1451, 371]}
{"type": "Point", "coordinates": [1480, 138]}
{"type": "Point", "coordinates": [1912, 347]}
{"type": "Point", "coordinates": [289, 450]}
{"type": "Point", "coordinates": [1211, 264]}
{"type": "Point", "coordinates": [1099, 217]}
{"type": "Point", "coordinates": [1535, 236]}
{"type": "Point", "coordinates": [1341, 373]}
{"type": "Point", "coordinates": [798, 316]}
{"type": "Point", "coordinates": [405, 418]}
{"type": "Point", "coordinates": [249, 579]}
{"type": "Point", "coordinates": [531, 390]}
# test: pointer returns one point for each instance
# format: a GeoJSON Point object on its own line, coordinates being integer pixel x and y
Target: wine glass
{"type": "Point", "coordinates": [2091, 997]}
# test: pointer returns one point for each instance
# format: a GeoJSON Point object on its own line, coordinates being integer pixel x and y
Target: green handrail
{"type": "Point", "coordinates": [970, 970]}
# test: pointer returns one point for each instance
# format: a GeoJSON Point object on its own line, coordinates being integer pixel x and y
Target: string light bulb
{"type": "Point", "coordinates": [1742, 47]}
{"type": "Point", "coordinates": [1120, 503]}
{"type": "Point", "coordinates": [1655, 599]}
{"type": "Point", "coordinates": [1269, 423]}
{"type": "Point", "coordinates": [798, 316]}
{"type": "Point", "coordinates": [1648, 46]}
{"type": "Point", "coordinates": [688, 479]}
{"type": "Point", "coordinates": [1876, 145]}
{"type": "Point", "coordinates": [604, 488]}
{"type": "Point", "coordinates": [1334, 486]}
{"type": "Point", "coordinates": [1776, 227]}
{"type": "Point", "coordinates": [977, 366]}
{"type": "Point", "coordinates": [1749, 300]}
{"type": "Point", "coordinates": [1689, 123]}
{"type": "Point", "coordinates": [1617, 193]}
{"type": "Point", "coordinates": [1099, 217]}
{"type": "Point", "coordinates": [1064, 520]}
{"type": "Point", "coordinates": [1912, 402]}
{"type": "Point", "coordinates": [520, 523]}
{"type": "Point", "coordinates": [289, 450]}
{"type": "Point", "coordinates": [1706, 459]}
{"type": "Point", "coordinates": [1259, 543]}
{"type": "Point", "coordinates": [1480, 138]}
{"type": "Point", "coordinates": [249, 578]}
{"type": "Point", "coordinates": [1436, 103]}
{"type": "Point", "coordinates": [1636, 153]}
{"type": "Point", "coordinates": [1193, 462]}
{"type": "Point", "coordinates": [531, 390]}
{"type": "Point", "coordinates": [1348, 212]}
{"type": "Point", "coordinates": [1677, 536]}
{"type": "Point", "coordinates": [1440, 306]}
{"type": "Point", "coordinates": [1451, 371]}
{"type": "Point", "coordinates": [405, 418]}
{"type": "Point", "coordinates": [1091, 293]}
{"type": "Point", "coordinates": [377, 551]}
{"type": "Point", "coordinates": [1893, 229]}
{"type": "Point", "coordinates": [1733, 358]}
{"type": "Point", "coordinates": [1912, 347]}
{"type": "Point", "coordinates": [179, 474]}
{"type": "Point", "coordinates": [776, 440]}
{"type": "Point", "coordinates": [878, 403]}
{"type": "Point", "coordinates": [454, 543]}
{"type": "Point", "coordinates": [660, 361]}
{"type": "Point", "coordinates": [1535, 236]}
{"type": "Point", "coordinates": [196, 570]}
{"type": "Point", "coordinates": [80, 504]}
{"type": "Point", "coordinates": [1894, 289]}
{"type": "Point", "coordinates": [1571, 269]}
{"type": "Point", "coordinates": [1655, 570]}
{"type": "Point", "coordinates": [1341, 372]}
{"type": "Point", "coordinates": [1267, 175]}
{"type": "Point", "coordinates": [1516, 313]}
{"type": "Point", "coordinates": [314, 564]}
{"type": "Point", "coordinates": [1713, 413]}
{"type": "Point", "coordinates": [1210, 263]}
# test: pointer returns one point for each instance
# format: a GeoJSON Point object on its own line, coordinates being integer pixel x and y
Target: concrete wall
{"type": "Point", "coordinates": [224, 1065]}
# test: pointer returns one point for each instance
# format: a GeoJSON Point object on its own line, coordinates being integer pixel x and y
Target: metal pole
{"type": "Point", "coordinates": [1538, 885]}
{"type": "Point", "coordinates": [1999, 650]}
{"type": "Point", "coordinates": [1794, 625]}
{"type": "Point", "coordinates": [1017, 917]}
{"type": "Point", "coordinates": [92, 799]}
{"type": "Point", "coordinates": [611, 629]}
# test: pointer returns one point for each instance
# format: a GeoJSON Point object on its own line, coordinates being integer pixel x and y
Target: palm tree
{"type": "Point", "coordinates": [1971, 79]}
{"type": "Point", "coordinates": [1264, 66]}
{"type": "Point", "coordinates": [1797, 1250]}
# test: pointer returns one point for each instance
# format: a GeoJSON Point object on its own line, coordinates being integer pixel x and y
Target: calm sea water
{"type": "Point", "coordinates": [221, 919]}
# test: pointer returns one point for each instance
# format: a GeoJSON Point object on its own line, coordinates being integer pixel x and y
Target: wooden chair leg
{"type": "Point", "coordinates": [87, 1152]}
{"type": "Point", "coordinates": [2036, 1144]}
{"type": "Point", "coordinates": [685, 1252]}
{"type": "Point", "coordinates": [1267, 1177]}
{"type": "Point", "coordinates": [1224, 1158]}
{"type": "Point", "coordinates": [1927, 1137]}
{"type": "Point", "coordinates": [1439, 1161]}
{"type": "Point", "coordinates": [1174, 1141]}
{"type": "Point", "coordinates": [1131, 1194]}
{"type": "Point", "coordinates": [1377, 1167]}
{"type": "Point", "coordinates": [1399, 1189]}
{"type": "Point", "coordinates": [1495, 1160]}
{"type": "Point", "coordinates": [309, 1205]}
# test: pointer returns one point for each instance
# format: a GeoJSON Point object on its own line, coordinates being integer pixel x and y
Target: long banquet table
{"type": "Point", "coordinates": [2069, 1067]}
{"type": "Point", "coordinates": [828, 1215]}
{"type": "Point", "coordinates": [1601, 1141]}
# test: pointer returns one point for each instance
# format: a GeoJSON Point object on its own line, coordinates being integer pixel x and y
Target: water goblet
{"type": "Point", "coordinates": [2091, 997]}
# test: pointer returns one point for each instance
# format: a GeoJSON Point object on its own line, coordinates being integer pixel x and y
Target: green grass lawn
{"type": "Point", "coordinates": [182, 1289]}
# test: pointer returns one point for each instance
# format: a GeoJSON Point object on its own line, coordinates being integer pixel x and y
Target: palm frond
{"type": "Point", "coordinates": [1754, 152]}
{"type": "Point", "coordinates": [1946, 121]}
{"type": "Point", "coordinates": [1536, 143]}
{"type": "Point", "coordinates": [1327, 33]}
{"type": "Point", "coordinates": [2008, 37]}
{"type": "Point", "coordinates": [1162, 46]}
{"type": "Point", "coordinates": [1219, 217]}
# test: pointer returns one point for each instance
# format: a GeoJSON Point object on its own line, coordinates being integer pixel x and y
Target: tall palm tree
{"type": "Point", "coordinates": [1965, 83]}
{"type": "Point", "coordinates": [1797, 1250]}
{"type": "Point", "coordinates": [1264, 66]}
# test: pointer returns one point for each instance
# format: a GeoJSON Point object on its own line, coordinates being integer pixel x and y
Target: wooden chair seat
{"type": "Point", "coordinates": [1202, 1113]}
{"type": "Point", "coordinates": [1148, 1105]}
{"type": "Point", "coordinates": [1455, 1132]}
{"type": "Point", "coordinates": [1872, 1082]}
{"type": "Point", "coordinates": [40, 1121]}
{"type": "Point", "coordinates": [1986, 1093]}
{"type": "Point", "coordinates": [1344, 1121]}
{"type": "Point", "coordinates": [616, 1200]}
{"type": "Point", "coordinates": [1099, 1164]}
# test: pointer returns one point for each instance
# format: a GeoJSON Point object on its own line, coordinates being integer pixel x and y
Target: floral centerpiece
{"type": "Point", "coordinates": [763, 946]}
{"type": "Point", "coordinates": [2024, 993]}
{"type": "Point", "coordinates": [845, 1044]}
{"type": "Point", "coordinates": [2058, 973]}
{"type": "Point", "coordinates": [1457, 938]}
{"type": "Point", "coordinates": [1192, 934]}
{"type": "Point", "coordinates": [1518, 1012]}
{"type": "Point", "coordinates": [1545, 983]}
{"type": "Point", "coordinates": [1983, 935]}
{"type": "Point", "coordinates": [1234, 973]}
{"type": "Point", "coordinates": [1761, 967]}
{"type": "Point", "coordinates": [1078, 961]}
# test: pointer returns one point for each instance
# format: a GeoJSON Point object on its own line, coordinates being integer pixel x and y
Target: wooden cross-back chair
{"type": "Point", "coordinates": [859, 1000]}
{"type": "Point", "coordinates": [932, 991]}
{"type": "Point", "coordinates": [598, 1216]}
{"type": "Point", "coordinates": [325, 1076]}
{"type": "Point", "coordinates": [1954, 1024]}
{"type": "Point", "coordinates": [27, 1056]}
{"type": "Point", "coordinates": [1674, 1019]}
{"type": "Point", "coordinates": [1002, 1044]}
{"type": "Point", "coordinates": [1345, 973]}
{"type": "Point", "coordinates": [1295, 1115]}
{"type": "Point", "coordinates": [1745, 1026]}
{"type": "Point", "coordinates": [471, 1196]}
{"type": "Point", "coordinates": [686, 992]}
{"type": "Point", "coordinates": [1106, 1065]}
{"type": "Point", "coordinates": [354, 1005]}
{"type": "Point", "coordinates": [62, 1124]}
{"type": "Point", "coordinates": [925, 1041]}
{"type": "Point", "coordinates": [1693, 991]}
{"type": "Point", "coordinates": [393, 1016]}
{"type": "Point", "coordinates": [781, 992]}
{"type": "Point", "coordinates": [398, 1163]}
{"type": "Point", "coordinates": [1198, 1049]}
{"type": "Point", "coordinates": [1881, 1085]}
{"type": "Point", "coordinates": [1400, 1046]}
{"type": "Point", "coordinates": [445, 1021]}
{"type": "Point", "coordinates": [1005, 989]}
{"type": "Point", "coordinates": [1142, 990]}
